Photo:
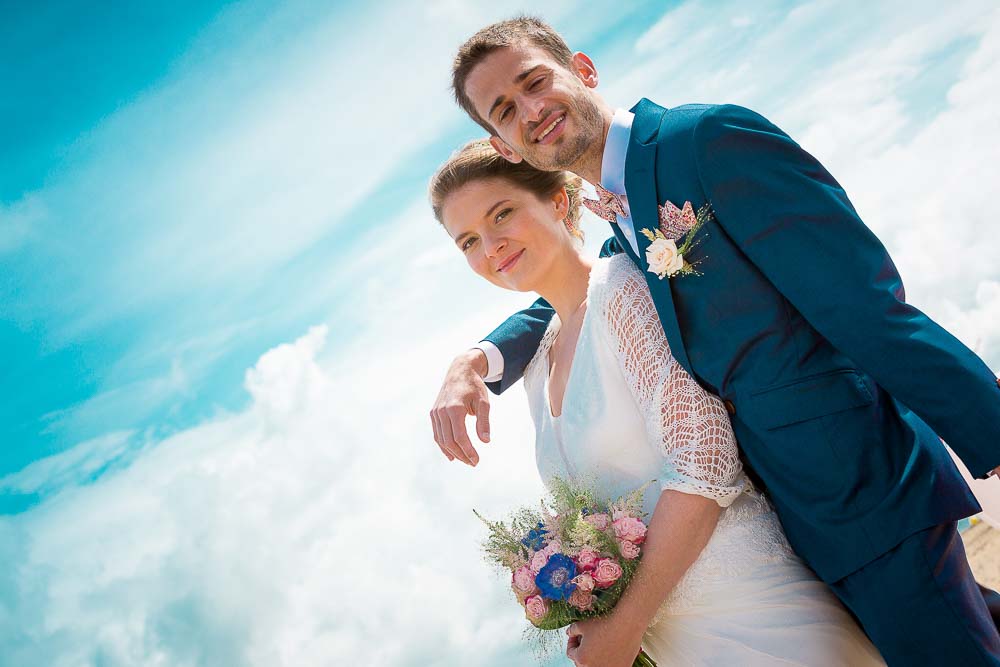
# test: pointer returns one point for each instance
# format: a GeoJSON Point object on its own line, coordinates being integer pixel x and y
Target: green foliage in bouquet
{"type": "Point", "coordinates": [566, 562]}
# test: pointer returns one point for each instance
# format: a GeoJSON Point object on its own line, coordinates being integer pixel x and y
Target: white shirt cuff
{"type": "Point", "coordinates": [494, 360]}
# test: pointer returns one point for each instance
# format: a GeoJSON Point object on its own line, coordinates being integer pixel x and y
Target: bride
{"type": "Point", "coordinates": [718, 583]}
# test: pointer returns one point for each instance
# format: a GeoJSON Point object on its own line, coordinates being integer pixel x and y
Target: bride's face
{"type": "Point", "coordinates": [508, 235]}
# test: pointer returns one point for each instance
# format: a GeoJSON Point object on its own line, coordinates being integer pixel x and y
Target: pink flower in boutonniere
{"type": "Point", "coordinates": [664, 257]}
{"type": "Point", "coordinates": [676, 222]}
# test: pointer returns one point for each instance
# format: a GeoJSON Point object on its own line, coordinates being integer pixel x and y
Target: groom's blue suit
{"type": "Point", "coordinates": [837, 388]}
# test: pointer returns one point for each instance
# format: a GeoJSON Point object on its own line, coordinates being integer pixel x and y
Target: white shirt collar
{"type": "Point", "coordinates": [615, 149]}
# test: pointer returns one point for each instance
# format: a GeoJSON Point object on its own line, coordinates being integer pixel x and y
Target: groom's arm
{"type": "Point", "coordinates": [518, 337]}
{"type": "Point", "coordinates": [462, 393]}
{"type": "Point", "coordinates": [796, 224]}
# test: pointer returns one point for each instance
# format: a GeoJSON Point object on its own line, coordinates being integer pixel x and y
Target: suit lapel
{"type": "Point", "coordinates": [624, 242]}
{"type": "Point", "coordinates": [640, 185]}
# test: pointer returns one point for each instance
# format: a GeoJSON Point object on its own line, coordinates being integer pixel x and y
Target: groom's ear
{"type": "Point", "coordinates": [506, 151]}
{"type": "Point", "coordinates": [585, 69]}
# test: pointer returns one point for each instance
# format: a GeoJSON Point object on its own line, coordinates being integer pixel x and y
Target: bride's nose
{"type": "Point", "coordinates": [495, 246]}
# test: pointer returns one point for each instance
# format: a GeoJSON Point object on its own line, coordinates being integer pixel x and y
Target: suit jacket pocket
{"type": "Point", "coordinates": [809, 398]}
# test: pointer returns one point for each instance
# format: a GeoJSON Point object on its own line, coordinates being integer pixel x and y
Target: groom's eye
{"type": "Point", "coordinates": [503, 113]}
{"type": "Point", "coordinates": [536, 83]}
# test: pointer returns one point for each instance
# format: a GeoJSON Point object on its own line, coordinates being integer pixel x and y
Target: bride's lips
{"type": "Point", "coordinates": [550, 130]}
{"type": "Point", "coordinates": [510, 262]}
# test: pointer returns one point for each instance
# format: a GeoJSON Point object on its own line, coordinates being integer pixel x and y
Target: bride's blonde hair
{"type": "Point", "coordinates": [478, 160]}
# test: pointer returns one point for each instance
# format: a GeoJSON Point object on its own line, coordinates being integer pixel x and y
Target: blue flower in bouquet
{"type": "Point", "coordinates": [554, 580]}
{"type": "Point", "coordinates": [535, 539]}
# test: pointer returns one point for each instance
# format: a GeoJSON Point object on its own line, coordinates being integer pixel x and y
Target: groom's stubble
{"type": "Point", "coordinates": [584, 147]}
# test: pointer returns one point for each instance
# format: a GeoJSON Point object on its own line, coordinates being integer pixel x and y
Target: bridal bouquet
{"type": "Point", "coordinates": [570, 559]}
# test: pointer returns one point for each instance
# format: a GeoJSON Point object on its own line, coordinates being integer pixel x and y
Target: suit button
{"type": "Point", "coordinates": [731, 409]}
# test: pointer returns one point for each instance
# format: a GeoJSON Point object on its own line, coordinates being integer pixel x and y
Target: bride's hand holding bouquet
{"type": "Point", "coordinates": [569, 562]}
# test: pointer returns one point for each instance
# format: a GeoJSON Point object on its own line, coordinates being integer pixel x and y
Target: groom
{"type": "Point", "coordinates": [796, 318]}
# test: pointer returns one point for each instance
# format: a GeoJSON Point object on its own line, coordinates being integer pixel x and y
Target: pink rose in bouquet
{"type": "Point", "coordinates": [606, 573]}
{"type": "Point", "coordinates": [599, 521]}
{"type": "Point", "coordinates": [541, 557]}
{"type": "Point", "coordinates": [582, 600]}
{"type": "Point", "coordinates": [556, 587]}
{"type": "Point", "coordinates": [584, 582]}
{"type": "Point", "coordinates": [630, 529]}
{"type": "Point", "coordinates": [629, 550]}
{"type": "Point", "coordinates": [536, 607]}
{"type": "Point", "coordinates": [523, 581]}
{"type": "Point", "coordinates": [586, 560]}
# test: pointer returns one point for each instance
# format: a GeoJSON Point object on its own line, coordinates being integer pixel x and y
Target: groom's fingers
{"type": "Point", "coordinates": [455, 427]}
{"type": "Point", "coordinates": [482, 412]}
{"type": "Point", "coordinates": [435, 424]}
{"type": "Point", "coordinates": [448, 440]}
{"type": "Point", "coordinates": [442, 436]}
{"type": "Point", "coordinates": [452, 426]}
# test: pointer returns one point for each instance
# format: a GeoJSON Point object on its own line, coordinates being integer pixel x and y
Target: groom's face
{"type": "Point", "coordinates": [540, 110]}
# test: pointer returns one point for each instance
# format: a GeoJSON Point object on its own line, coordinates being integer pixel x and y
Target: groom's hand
{"type": "Point", "coordinates": [463, 393]}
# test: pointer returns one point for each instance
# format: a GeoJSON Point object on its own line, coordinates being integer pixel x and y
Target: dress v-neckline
{"type": "Point", "coordinates": [572, 361]}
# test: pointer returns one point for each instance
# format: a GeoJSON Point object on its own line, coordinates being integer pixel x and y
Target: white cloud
{"type": "Point", "coordinates": [69, 467]}
{"type": "Point", "coordinates": [321, 524]}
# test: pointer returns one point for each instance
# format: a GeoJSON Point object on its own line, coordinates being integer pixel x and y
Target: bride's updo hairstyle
{"type": "Point", "coordinates": [478, 160]}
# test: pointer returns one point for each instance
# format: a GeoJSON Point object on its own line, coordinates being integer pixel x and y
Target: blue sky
{"type": "Point", "coordinates": [225, 307]}
{"type": "Point", "coordinates": [134, 297]}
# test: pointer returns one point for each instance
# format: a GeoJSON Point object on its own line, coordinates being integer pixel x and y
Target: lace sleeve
{"type": "Point", "coordinates": [688, 426]}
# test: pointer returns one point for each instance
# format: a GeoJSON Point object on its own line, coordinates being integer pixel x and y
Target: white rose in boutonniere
{"type": "Point", "coordinates": [663, 257]}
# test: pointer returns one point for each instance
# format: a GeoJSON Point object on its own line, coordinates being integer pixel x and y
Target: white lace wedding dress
{"type": "Point", "coordinates": [631, 414]}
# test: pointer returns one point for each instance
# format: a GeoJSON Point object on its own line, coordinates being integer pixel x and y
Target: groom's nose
{"type": "Point", "coordinates": [531, 109]}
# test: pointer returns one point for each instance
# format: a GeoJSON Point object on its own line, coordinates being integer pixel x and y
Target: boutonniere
{"type": "Point", "coordinates": [664, 256]}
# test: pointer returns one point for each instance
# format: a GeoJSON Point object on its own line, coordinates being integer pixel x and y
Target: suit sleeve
{"type": "Point", "coordinates": [519, 335]}
{"type": "Point", "coordinates": [517, 339]}
{"type": "Point", "coordinates": [795, 223]}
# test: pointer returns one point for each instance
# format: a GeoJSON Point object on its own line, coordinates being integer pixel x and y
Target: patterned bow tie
{"type": "Point", "coordinates": [608, 206]}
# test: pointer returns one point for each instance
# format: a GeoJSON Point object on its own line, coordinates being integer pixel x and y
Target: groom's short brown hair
{"type": "Point", "coordinates": [519, 30]}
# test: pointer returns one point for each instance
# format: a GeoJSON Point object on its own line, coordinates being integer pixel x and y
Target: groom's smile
{"type": "Point", "coordinates": [550, 129]}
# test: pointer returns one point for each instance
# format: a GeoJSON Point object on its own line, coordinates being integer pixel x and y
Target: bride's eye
{"type": "Point", "coordinates": [468, 243]}
{"type": "Point", "coordinates": [502, 215]}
